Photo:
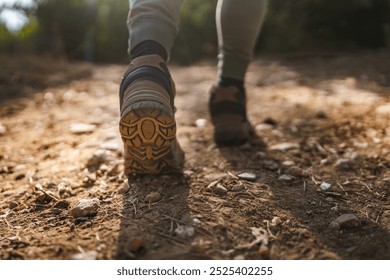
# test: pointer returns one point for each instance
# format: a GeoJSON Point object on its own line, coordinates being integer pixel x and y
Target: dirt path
{"type": "Point", "coordinates": [325, 125]}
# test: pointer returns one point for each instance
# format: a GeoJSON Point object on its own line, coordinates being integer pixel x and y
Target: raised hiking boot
{"type": "Point", "coordinates": [147, 122]}
{"type": "Point", "coordinates": [227, 106]}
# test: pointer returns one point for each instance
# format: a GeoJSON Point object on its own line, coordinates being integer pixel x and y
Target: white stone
{"type": "Point", "coordinates": [85, 208]}
{"type": "Point", "coordinates": [284, 146]}
{"type": "Point", "coordinates": [247, 176]}
{"type": "Point", "coordinates": [80, 128]}
{"type": "Point", "coordinates": [184, 231]}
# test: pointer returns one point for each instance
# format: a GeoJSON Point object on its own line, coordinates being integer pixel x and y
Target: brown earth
{"type": "Point", "coordinates": [323, 119]}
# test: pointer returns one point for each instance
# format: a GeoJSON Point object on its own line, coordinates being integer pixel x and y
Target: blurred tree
{"type": "Point", "coordinates": [96, 30]}
{"type": "Point", "coordinates": [197, 36]}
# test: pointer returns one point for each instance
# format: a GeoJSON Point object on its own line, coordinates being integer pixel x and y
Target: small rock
{"type": "Point", "coordinates": [348, 221]}
{"type": "Point", "coordinates": [239, 258]}
{"type": "Point", "coordinates": [184, 231]}
{"type": "Point", "coordinates": [80, 128]}
{"type": "Point", "coordinates": [19, 167]}
{"type": "Point", "coordinates": [12, 205]}
{"type": "Point", "coordinates": [188, 172]}
{"type": "Point", "coordinates": [237, 188]}
{"type": "Point", "coordinates": [263, 127]}
{"type": "Point", "coordinates": [124, 188]}
{"type": "Point", "coordinates": [270, 165]}
{"type": "Point", "coordinates": [56, 211]}
{"type": "Point", "coordinates": [3, 129]}
{"type": "Point", "coordinates": [296, 171]}
{"type": "Point", "coordinates": [99, 157]}
{"type": "Point", "coordinates": [287, 164]}
{"type": "Point", "coordinates": [247, 176]}
{"type": "Point", "coordinates": [201, 123]}
{"type": "Point", "coordinates": [334, 226]}
{"type": "Point", "coordinates": [276, 221]}
{"type": "Point", "coordinates": [324, 186]}
{"type": "Point", "coordinates": [285, 177]}
{"type": "Point", "coordinates": [135, 244]}
{"type": "Point", "coordinates": [90, 255]}
{"type": "Point", "coordinates": [85, 208]}
{"type": "Point", "coordinates": [284, 146]}
{"type": "Point", "coordinates": [64, 189]}
{"type": "Point", "coordinates": [153, 197]}
{"type": "Point", "coordinates": [43, 198]}
{"type": "Point", "coordinates": [111, 146]}
{"type": "Point", "coordinates": [219, 189]}
{"type": "Point", "coordinates": [263, 251]}
{"type": "Point", "coordinates": [335, 208]}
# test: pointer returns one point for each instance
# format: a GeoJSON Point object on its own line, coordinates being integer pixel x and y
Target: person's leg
{"type": "Point", "coordinates": [147, 123]}
{"type": "Point", "coordinates": [238, 24]}
{"type": "Point", "coordinates": [153, 20]}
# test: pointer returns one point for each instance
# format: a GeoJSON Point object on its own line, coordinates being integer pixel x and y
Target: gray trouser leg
{"type": "Point", "coordinates": [238, 25]}
{"type": "Point", "coordinates": [156, 20]}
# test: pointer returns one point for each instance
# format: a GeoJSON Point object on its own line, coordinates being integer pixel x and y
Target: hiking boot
{"type": "Point", "coordinates": [147, 121]}
{"type": "Point", "coordinates": [227, 106]}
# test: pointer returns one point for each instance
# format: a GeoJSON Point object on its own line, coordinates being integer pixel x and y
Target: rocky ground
{"type": "Point", "coordinates": [316, 188]}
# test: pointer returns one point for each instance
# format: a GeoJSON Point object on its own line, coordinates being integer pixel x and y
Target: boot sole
{"type": "Point", "coordinates": [148, 132]}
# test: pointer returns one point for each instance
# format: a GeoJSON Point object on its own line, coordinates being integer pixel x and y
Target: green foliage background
{"type": "Point", "coordinates": [96, 30]}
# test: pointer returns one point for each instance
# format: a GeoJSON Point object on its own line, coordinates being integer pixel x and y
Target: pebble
{"type": "Point", "coordinates": [135, 244]}
{"type": "Point", "coordinates": [184, 231]}
{"type": "Point", "coordinates": [288, 163]}
{"type": "Point", "coordinates": [348, 221]}
{"type": "Point", "coordinates": [56, 211]}
{"type": "Point", "coordinates": [334, 226]}
{"type": "Point", "coordinates": [124, 188]}
{"type": "Point", "coordinates": [239, 258]}
{"type": "Point", "coordinates": [284, 146]}
{"type": "Point", "coordinates": [237, 188]}
{"type": "Point", "coordinates": [201, 123]}
{"type": "Point", "coordinates": [285, 177]}
{"type": "Point", "coordinates": [220, 189]}
{"type": "Point", "coordinates": [153, 197]}
{"type": "Point", "coordinates": [263, 126]}
{"type": "Point", "coordinates": [325, 186]}
{"type": "Point", "coordinates": [90, 255]}
{"type": "Point", "coordinates": [85, 208]}
{"type": "Point", "coordinates": [43, 198]}
{"type": "Point", "coordinates": [247, 176]}
{"type": "Point", "coordinates": [270, 165]}
{"type": "Point", "coordinates": [296, 171]}
{"type": "Point", "coordinates": [3, 129]}
{"type": "Point", "coordinates": [188, 172]}
{"type": "Point", "coordinates": [81, 128]}
{"type": "Point", "coordinates": [98, 157]}
{"type": "Point", "coordinates": [276, 221]}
